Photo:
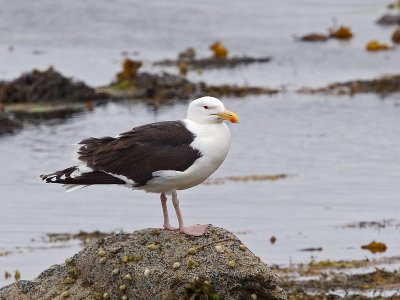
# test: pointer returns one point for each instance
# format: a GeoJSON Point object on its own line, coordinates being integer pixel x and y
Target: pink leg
{"type": "Point", "coordinates": [166, 225]}
{"type": "Point", "coordinates": [195, 230]}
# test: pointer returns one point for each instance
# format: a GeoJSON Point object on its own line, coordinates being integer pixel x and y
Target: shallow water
{"type": "Point", "coordinates": [343, 168]}
{"type": "Point", "coordinates": [342, 153]}
{"type": "Point", "coordinates": [85, 39]}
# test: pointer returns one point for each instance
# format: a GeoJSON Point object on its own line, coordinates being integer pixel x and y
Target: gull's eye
{"type": "Point", "coordinates": [205, 107]}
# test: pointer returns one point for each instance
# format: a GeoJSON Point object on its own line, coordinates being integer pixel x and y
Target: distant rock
{"type": "Point", "coordinates": [314, 37]}
{"type": "Point", "coordinates": [45, 86]}
{"type": "Point", "coordinates": [155, 264]}
{"type": "Point", "coordinates": [164, 88]}
{"type": "Point", "coordinates": [388, 20]}
{"type": "Point", "coordinates": [382, 86]}
{"type": "Point", "coordinates": [215, 62]}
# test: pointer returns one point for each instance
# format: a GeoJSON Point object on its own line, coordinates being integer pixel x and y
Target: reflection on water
{"type": "Point", "coordinates": [343, 165]}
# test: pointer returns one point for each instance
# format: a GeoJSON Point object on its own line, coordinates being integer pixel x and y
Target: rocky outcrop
{"type": "Point", "coordinates": [156, 264]}
{"type": "Point", "coordinates": [215, 63]}
{"type": "Point", "coordinates": [382, 86]}
{"type": "Point", "coordinates": [45, 86]}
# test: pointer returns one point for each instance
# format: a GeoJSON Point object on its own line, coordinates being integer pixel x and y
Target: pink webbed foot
{"type": "Point", "coordinates": [169, 227]}
{"type": "Point", "coordinates": [195, 230]}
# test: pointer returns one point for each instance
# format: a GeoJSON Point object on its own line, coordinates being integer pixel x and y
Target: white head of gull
{"type": "Point", "coordinates": [161, 157]}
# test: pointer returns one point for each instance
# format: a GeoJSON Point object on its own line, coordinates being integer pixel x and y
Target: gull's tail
{"type": "Point", "coordinates": [74, 179]}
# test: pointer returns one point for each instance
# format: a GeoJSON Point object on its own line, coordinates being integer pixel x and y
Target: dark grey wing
{"type": "Point", "coordinates": [138, 153]}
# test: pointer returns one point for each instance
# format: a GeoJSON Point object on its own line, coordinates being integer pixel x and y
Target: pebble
{"type": "Point", "coordinates": [219, 249]}
{"type": "Point", "coordinates": [115, 271]}
{"type": "Point", "coordinates": [69, 280]}
{"type": "Point", "coordinates": [103, 260]}
{"type": "Point", "coordinates": [192, 251]}
{"type": "Point", "coordinates": [152, 247]}
{"type": "Point", "coordinates": [128, 277]}
{"type": "Point", "coordinates": [65, 294]}
{"type": "Point", "coordinates": [176, 265]}
{"type": "Point", "coordinates": [231, 264]}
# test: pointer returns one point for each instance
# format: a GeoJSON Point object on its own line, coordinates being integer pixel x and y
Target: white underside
{"type": "Point", "coordinates": [212, 140]}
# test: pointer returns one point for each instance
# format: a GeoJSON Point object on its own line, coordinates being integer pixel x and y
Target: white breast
{"type": "Point", "coordinates": [213, 141]}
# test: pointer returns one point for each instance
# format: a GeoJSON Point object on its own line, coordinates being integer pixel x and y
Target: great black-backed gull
{"type": "Point", "coordinates": [160, 157]}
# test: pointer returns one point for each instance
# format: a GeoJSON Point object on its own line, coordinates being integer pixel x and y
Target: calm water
{"type": "Point", "coordinates": [343, 153]}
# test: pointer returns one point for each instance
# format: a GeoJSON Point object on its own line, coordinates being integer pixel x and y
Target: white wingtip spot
{"type": "Point", "coordinates": [73, 187]}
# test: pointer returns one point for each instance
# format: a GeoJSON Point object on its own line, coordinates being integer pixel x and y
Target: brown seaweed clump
{"type": "Point", "coordinates": [45, 86]}
{"type": "Point", "coordinates": [375, 247]}
{"type": "Point", "coordinates": [374, 46]}
{"type": "Point", "coordinates": [326, 280]}
{"type": "Point", "coordinates": [219, 50]}
{"type": "Point", "coordinates": [341, 33]}
{"type": "Point", "coordinates": [396, 36]}
{"type": "Point", "coordinates": [129, 70]}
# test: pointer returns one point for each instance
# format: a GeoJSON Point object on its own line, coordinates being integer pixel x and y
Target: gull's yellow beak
{"type": "Point", "coordinates": [229, 116]}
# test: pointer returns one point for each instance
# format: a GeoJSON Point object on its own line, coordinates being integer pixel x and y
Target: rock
{"type": "Point", "coordinates": [382, 86]}
{"type": "Point", "coordinates": [374, 46]}
{"type": "Point", "coordinates": [214, 63]}
{"type": "Point", "coordinates": [341, 33]}
{"type": "Point", "coordinates": [396, 36]}
{"type": "Point", "coordinates": [146, 86]}
{"type": "Point", "coordinates": [45, 86]}
{"type": "Point", "coordinates": [394, 5]}
{"type": "Point", "coordinates": [234, 90]}
{"type": "Point", "coordinates": [164, 88]}
{"type": "Point", "coordinates": [187, 55]}
{"type": "Point", "coordinates": [314, 37]}
{"type": "Point", "coordinates": [388, 20]}
{"type": "Point", "coordinates": [206, 274]}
